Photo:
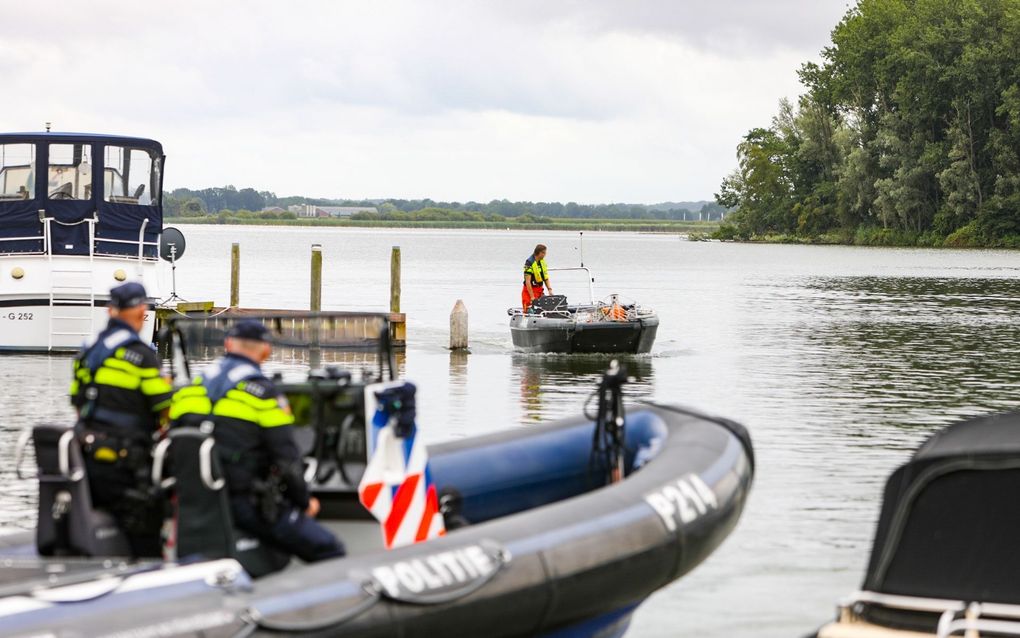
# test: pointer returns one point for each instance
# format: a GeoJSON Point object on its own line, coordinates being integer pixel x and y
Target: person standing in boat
{"type": "Point", "coordinates": [536, 277]}
{"type": "Point", "coordinates": [122, 402]}
{"type": "Point", "coordinates": [261, 459]}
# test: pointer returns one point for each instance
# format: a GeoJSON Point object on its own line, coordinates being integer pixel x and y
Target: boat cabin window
{"type": "Point", "coordinates": [17, 171]}
{"type": "Point", "coordinates": [131, 175]}
{"type": "Point", "coordinates": [70, 174]}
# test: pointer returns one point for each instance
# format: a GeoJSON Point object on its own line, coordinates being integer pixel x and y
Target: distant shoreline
{"type": "Point", "coordinates": [625, 225]}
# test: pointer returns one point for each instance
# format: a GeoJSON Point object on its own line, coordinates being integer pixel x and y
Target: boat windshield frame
{"type": "Point", "coordinates": [591, 280]}
{"type": "Point", "coordinates": [71, 212]}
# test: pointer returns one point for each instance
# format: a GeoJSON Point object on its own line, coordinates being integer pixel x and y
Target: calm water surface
{"type": "Point", "coordinates": [839, 360]}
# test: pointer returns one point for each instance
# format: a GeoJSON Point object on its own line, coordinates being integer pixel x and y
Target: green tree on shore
{"type": "Point", "coordinates": [909, 127]}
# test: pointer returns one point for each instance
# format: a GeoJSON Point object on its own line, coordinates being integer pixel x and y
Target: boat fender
{"type": "Point", "coordinates": [441, 577]}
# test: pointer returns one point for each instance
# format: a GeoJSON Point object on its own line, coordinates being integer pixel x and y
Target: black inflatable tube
{"type": "Point", "coordinates": [570, 560]}
{"type": "Point", "coordinates": [591, 557]}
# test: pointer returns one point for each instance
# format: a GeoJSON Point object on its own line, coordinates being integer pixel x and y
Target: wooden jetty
{"type": "Point", "coordinates": [336, 328]}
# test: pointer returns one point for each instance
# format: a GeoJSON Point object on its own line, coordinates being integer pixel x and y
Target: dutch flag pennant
{"type": "Point", "coordinates": [397, 487]}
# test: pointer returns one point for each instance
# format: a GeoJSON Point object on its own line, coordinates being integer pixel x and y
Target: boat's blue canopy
{"type": "Point", "coordinates": [52, 184]}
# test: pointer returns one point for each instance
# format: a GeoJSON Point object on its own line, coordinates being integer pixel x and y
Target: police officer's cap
{"type": "Point", "coordinates": [249, 329]}
{"type": "Point", "coordinates": [128, 295]}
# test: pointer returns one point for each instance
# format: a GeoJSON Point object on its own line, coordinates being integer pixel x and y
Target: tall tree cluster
{"type": "Point", "coordinates": [910, 125]}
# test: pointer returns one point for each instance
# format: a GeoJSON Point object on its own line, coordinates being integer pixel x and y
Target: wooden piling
{"type": "Point", "coordinates": [395, 279]}
{"type": "Point", "coordinates": [459, 326]}
{"type": "Point", "coordinates": [315, 302]}
{"type": "Point", "coordinates": [235, 275]}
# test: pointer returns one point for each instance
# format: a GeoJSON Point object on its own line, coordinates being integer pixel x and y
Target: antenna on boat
{"type": "Point", "coordinates": [48, 126]}
{"type": "Point", "coordinates": [582, 248]}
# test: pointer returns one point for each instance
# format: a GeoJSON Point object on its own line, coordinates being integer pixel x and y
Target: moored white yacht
{"type": "Point", "coordinates": [79, 214]}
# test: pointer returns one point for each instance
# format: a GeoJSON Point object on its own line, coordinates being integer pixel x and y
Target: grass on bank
{"type": "Point", "coordinates": [969, 236]}
{"type": "Point", "coordinates": [629, 225]}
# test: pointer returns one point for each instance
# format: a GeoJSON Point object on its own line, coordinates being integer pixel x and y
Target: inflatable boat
{"type": "Point", "coordinates": [944, 559]}
{"type": "Point", "coordinates": [560, 529]}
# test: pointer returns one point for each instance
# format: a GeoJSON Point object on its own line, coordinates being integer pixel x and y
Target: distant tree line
{"type": "Point", "coordinates": [908, 132]}
{"type": "Point", "coordinates": [184, 202]}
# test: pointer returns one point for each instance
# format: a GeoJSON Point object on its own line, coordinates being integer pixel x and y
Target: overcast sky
{"type": "Point", "coordinates": [588, 100]}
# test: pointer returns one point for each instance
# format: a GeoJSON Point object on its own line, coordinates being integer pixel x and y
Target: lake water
{"type": "Point", "coordinates": [839, 360]}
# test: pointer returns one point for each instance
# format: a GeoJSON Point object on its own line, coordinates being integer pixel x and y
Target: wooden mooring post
{"type": "Point", "coordinates": [315, 301]}
{"type": "Point", "coordinates": [235, 275]}
{"type": "Point", "coordinates": [398, 326]}
{"type": "Point", "coordinates": [395, 279]}
{"type": "Point", "coordinates": [459, 326]}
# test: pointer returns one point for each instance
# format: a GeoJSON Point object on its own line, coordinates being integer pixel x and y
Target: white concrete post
{"type": "Point", "coordinates": [459, 326]}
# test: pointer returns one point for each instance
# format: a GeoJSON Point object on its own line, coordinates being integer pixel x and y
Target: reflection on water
{"type": "Point", "coordinates": [567, 380]}
{"type": "Point", "coordinates": [894, 348]}
{"type": "Point", "coordinates": [35, 390]}
{"type": "Point", "coordinates": [293, 362]}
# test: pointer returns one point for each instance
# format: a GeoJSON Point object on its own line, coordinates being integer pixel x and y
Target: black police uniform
{"type": "Point", "coordinates": [119, 394]}
{"type": "Point", "coordinates": [261, 460]}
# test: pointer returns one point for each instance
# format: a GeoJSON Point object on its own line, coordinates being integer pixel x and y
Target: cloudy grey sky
{"type": "Point", "coordinates": [583, 100]}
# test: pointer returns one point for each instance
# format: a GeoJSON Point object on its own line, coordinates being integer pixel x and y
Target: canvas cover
{"type": "Point", "coordinates": [950, 520]}
{"type": "Point", "coordinates": [21, 218]}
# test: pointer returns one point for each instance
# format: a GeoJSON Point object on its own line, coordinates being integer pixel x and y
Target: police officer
{"type": "Point", "coordinates": [261, 460]}
{"type": "Point", "coordinates": [122, 401]}
{"type": "Point", "coordinates": [536, 276]}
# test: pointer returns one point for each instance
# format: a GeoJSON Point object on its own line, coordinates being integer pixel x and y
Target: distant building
{"type": "Point", "coordinates": [274, 209]}
{"type": "Point", "coordinates": [308, 210]}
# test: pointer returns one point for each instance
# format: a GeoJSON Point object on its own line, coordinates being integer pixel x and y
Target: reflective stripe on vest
{"type": "Point", "coordinates": [224, 387]}
{"type": "Point", "coordinates": [190, 400]}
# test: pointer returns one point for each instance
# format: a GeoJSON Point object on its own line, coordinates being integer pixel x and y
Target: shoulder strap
{"type": "Point", "coordinates": [224, 375]}
{"type": "Point", "coordinates": [107, 343]}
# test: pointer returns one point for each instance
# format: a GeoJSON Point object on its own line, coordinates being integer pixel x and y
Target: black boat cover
{"type": "Point", "coordinates": [950, 522]}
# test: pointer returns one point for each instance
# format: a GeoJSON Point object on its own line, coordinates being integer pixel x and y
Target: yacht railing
{"type": "Point", "coordinates": [956, 617]}
{"type": "Point", "coordinates": [141, 243]}
{"type": "Point", "coordinates": [40, 238]}
{"type": "Point", "coordinates": [46, 240]}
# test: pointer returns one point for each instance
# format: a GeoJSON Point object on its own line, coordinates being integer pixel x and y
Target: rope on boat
{"type": "Point", "coordinates": [254, 619]}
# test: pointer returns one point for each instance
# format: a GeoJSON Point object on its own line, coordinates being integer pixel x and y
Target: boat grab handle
{"type": "Point", "coordinates": [158, 460]}
{"type": "Point", "coordinates": [64, 458]}
{"type": "Point", "coordinates": [312, 469]}
{"type": "Point", "coordinates": [205, 466]}
{"type": "Point", "coordinates": [19, 454]}
{"type": "Point", "coordinates": [253, 619]}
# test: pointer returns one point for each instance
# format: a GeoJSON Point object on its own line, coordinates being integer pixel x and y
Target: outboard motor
{"type": "Point", "coordinates": [202, 524]}
{"type": "Point", "coordinates": [68, 523]}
